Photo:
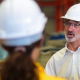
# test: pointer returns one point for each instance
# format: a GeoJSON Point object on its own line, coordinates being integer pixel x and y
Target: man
{"type": "Point", "coordinates": [66, 62]}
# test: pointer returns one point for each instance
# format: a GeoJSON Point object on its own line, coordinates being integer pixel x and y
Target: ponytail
{"type": "Point", "coordinates": [19, 67]}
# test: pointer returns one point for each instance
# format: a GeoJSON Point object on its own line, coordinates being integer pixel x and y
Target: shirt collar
{"type": "Point", "coordinates": [70, 50]}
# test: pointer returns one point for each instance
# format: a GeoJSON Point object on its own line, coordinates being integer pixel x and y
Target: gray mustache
{"type": "Point", "coordinates": [70, 32]}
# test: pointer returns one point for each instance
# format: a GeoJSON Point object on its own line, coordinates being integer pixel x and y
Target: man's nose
{"type": "Point", "coordinates": [71, 27]}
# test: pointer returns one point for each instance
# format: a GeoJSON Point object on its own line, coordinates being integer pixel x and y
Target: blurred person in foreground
{"type": "Point", "coordinates": [66, 62]}
{"type": "Point", "coordinates": [21, 33]}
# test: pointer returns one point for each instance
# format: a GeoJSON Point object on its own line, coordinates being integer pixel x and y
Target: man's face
{"type": "Point", "coordinates": [72, 30]}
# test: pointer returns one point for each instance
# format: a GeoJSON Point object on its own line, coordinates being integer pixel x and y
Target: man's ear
{"type": "Point", "coordinates": [41, 41]}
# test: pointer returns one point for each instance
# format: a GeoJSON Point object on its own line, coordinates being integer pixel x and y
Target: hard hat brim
{"type": "Point", "coordinates": [71, 18]}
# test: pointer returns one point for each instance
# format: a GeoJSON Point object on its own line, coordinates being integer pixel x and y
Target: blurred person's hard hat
{"type": "Point", "coordinates": [21, 22]}
{"type": "Point", "coordinates": [73, 13]}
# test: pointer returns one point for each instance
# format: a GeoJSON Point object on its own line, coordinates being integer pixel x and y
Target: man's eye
{"type": "Point", "coordinates": [75, 24]}
{"type": "Point", "coordinates": [68, 23]}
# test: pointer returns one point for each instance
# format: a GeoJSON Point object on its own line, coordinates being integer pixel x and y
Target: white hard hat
{"type": "Point", "coordinates": [73, 13]}
{"type": "Point", "coordinates": [21, 22]}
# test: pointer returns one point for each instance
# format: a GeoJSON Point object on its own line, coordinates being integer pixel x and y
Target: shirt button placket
{"type": "Point", "coordinates": [75, 66]}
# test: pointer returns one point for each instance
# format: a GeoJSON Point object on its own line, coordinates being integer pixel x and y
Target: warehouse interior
{"type": "Point", "coordinates": [54, 30]}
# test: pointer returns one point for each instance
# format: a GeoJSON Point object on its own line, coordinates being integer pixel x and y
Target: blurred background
{"type": "Point", "coordinates": [54, 31]}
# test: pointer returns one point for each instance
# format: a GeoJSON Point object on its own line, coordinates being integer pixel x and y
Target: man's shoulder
{"type": "Point", "coordinates": [60, 53]}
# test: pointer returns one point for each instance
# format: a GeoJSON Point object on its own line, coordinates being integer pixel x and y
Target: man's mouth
{"type": "Point", "coordinates": [70, 35]}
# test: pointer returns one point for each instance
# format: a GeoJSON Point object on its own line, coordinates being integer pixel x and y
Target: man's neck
{"type": "Point", "coordinates": [73, 46]}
